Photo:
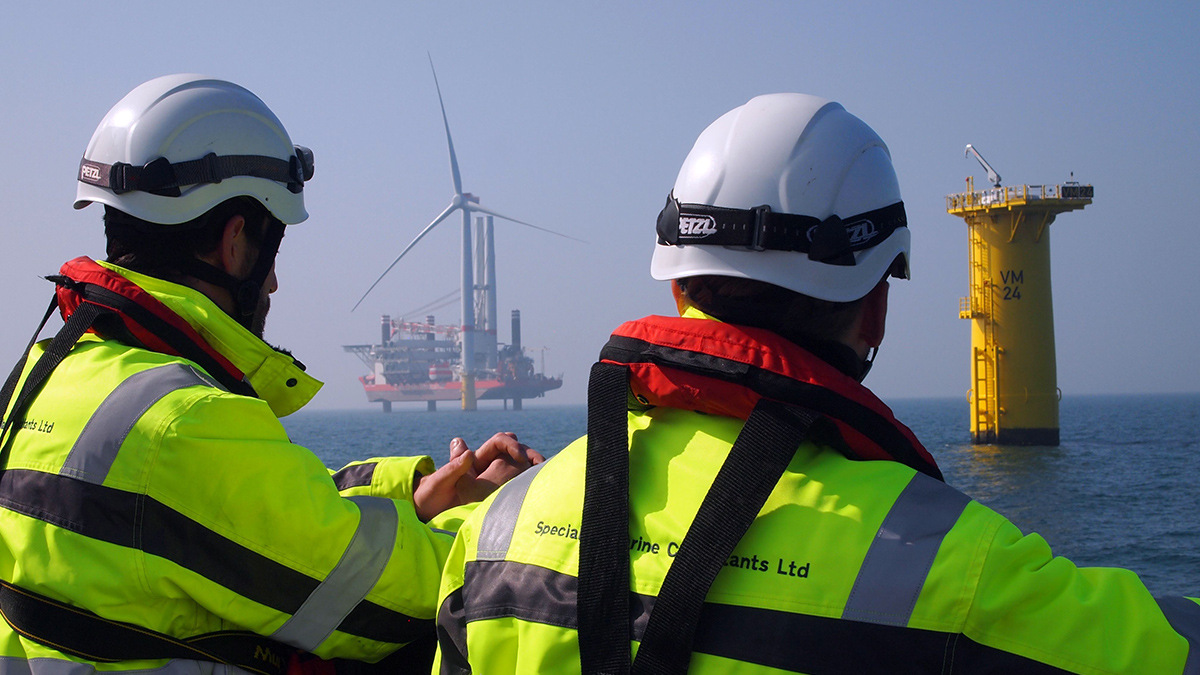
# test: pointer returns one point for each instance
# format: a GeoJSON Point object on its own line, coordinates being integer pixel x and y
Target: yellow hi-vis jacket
{"type": "Point", "coordinates": [138, 489]}
{"type": "Point", "coordinates": [850, 567]}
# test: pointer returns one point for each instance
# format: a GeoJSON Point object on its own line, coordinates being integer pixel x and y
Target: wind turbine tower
{"type": "Point", "coordinates": [485, 292]}
{"type": "Point", "coordinates": [468, 204]}
{"type": "Point", "coordinates": [1014, 395]}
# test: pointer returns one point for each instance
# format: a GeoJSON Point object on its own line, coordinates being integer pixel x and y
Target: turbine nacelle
{"type": "Point", "coordinates": [463, 200]}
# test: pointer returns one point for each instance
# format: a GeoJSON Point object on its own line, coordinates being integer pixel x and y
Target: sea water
{"type": "Point", "coordinates": [1121, 489]}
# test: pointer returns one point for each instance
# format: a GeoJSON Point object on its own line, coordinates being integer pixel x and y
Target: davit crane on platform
{"type": "Point", "coordinates": [992, 175]}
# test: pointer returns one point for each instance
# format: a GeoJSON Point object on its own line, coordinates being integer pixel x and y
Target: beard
{"type": "Point", "coordinates": [258, 322]}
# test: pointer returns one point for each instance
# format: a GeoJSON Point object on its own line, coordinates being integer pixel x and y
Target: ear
{"type": "Point", "coordinates": [231, 252]}
{"type": "Point", "coordinates": [874, 315]}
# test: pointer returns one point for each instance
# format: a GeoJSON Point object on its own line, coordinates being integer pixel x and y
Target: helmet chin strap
{"type": "Point", "coordinates": [867, 363]}
{"type": "Point", "coordinates": [245, 292]}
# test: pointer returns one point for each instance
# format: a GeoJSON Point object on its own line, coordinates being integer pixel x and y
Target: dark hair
{"type": "Point", "coordinates": [159, 250]}
{"type": "Point", "coordinates": [748, 302]}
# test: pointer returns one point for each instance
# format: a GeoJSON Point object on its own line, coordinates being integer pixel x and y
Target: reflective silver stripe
{"type": "Point", "coordinates": [495, 534]}
{"type": "Point", "coordinates": [95, 450]}
{"type": "Point", "coordinates": [354, 576]}
{"type": "Point", "coordinates": [1184, 616]}
{"type": "Point", "coordinates": [10, 665]}
{"type": "Point", "coordinates": [898, 562]}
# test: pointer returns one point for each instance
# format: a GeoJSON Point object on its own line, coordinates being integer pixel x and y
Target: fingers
{"type": "Point", "coordinates": [505, 446]}
{"type": "Point", "coordinates": [440, 490]}
{"type": "Point", "coordinates": [499, 445]}
{"type": "Point", "coordinates": [444, 478]}
{"type": "Point", "coordinates": [500, 472]}
{"type": "Point", "coordinates": [470, 476]}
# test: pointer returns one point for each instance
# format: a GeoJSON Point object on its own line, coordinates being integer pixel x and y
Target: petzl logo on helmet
{"type": "Point", "coordinates": [89, 173]}
{"type": "Point", "coordinates": [696, 226]}
{"type": "Point", "coordinates": [861, 231]}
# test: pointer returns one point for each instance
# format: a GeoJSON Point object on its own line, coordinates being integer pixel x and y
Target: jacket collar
{"type": "Point", "coordinates": [724, 369]}
{"type": "Point", "coordinates": [836, 354]}
{"type": "Point", "coordinates": [276, 377]}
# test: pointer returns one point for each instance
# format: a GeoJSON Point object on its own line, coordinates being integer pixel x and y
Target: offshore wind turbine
{"type": "Point", "coordinates": [467, 204]}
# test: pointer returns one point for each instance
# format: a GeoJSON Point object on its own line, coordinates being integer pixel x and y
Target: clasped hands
{"type": "Point", "coordinates": [471, 475]}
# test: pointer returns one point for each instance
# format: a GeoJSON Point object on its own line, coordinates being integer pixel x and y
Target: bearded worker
{"type": "Point", "coordinates": [154, 515]}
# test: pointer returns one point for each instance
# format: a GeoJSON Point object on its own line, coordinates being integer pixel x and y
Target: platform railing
{"type": "Point", "coordinates": [1001, 196]}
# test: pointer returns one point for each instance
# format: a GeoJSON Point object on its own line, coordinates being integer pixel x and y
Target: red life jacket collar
{"type": "Point", "coordinates": [724, 369]}
{"type": "Point", "coordinates": [154, 325]}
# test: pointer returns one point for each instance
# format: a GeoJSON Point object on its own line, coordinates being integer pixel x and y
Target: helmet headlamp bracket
{"type": "Point", "coordinates": [301, 167]}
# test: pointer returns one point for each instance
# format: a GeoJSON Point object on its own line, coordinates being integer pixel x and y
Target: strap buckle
{"type": "Point", "coordinates": [759, 226]}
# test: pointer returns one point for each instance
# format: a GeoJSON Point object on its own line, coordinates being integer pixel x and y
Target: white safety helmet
{"type": "Point", "coordinates": [791, 190]}
{"type": "Point", "coordinates": [179, 145]}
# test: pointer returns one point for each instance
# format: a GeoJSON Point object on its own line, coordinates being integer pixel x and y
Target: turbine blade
{"type": "Point", "coordinates": [446, 122]}
{"type": "Point", "coordinates": [442, 216]}
{"type": "Point", "coordinates": [482, 209]}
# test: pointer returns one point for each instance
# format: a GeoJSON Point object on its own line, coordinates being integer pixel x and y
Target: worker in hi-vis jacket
{"type": "Point", "coordinates": [742, 503]}
{"type": "Point", "coordinates": [154, 515]}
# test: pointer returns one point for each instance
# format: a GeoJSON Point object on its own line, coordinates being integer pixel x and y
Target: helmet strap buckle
{"type": "Point", "coordinates": [867, 363]}
{"type": "Point", "coordinates": [118, 178]}
{"type": "Point", "coordinates": [759, 227]}
{"type": "Point", "coordinates": [208, 170]}
{"type": "Point", "coordinates": [830, 243]}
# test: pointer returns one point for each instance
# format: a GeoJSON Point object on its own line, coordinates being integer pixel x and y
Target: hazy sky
{"type": "Point", "coordinates": [576, 117]}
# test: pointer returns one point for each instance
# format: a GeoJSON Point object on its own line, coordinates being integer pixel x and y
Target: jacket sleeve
{"type": "Point", "coordinates": [451, 655]}
{"type": "Point", "coordinates": [1082, 620]}
{"type": "Point", "coordinates": [255, 532]}
{"type": "Point", "coordinates": [390, 477]}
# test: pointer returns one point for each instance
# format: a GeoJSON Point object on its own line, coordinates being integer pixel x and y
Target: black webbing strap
{"type": "Point", "coordinates": [10, 385]}
{"type": "Point", "coordinates": [603, 601]}
{"type": "Point", "coordinates": [832, 240]}
{"type": "Point", "coordinates": [162, 177]}
{"type": "Point", "coordinates": [81, 320]}
{"type": "Point", "coordinates": [247, 294]}
{"type": "Point", "coordinates": [80, 633]}
{"type": "Point", "coordinates": [757, 460]}
{"type": "Point", "coordinates": [755, 463]}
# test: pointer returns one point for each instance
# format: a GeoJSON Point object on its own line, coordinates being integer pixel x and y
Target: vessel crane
{"type": "Point", "coordinates": [992, 175]}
